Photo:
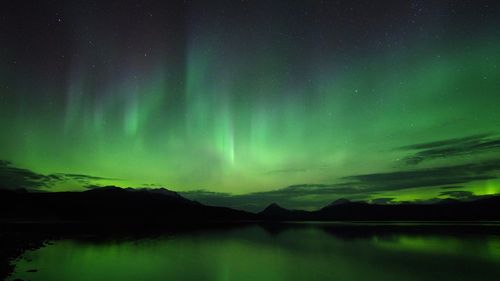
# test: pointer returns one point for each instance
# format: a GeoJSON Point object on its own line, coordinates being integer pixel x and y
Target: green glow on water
{"type": "Point", "coordinates": [251, 253]}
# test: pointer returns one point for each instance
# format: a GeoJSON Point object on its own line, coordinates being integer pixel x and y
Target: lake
{"type": "Point", "coordinates": [272, 252]}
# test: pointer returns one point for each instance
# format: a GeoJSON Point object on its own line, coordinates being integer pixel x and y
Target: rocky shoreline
{"type": "Point", "coordinates": [13, 245]}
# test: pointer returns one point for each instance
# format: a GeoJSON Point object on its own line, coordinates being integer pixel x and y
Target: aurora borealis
{"type": "Point", "coordinates": [243, 103]}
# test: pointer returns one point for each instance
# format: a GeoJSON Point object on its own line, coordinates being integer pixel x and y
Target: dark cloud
{"type": "Point", "coordinates": [451, 187]}
{"type": "Point", "coordinates": [297, 169]}
{"type": "Point", "coordinates": [384, 200]}
{"type": "Point", "coordinates": [452, 147]}
{"type": "Point", "coordinates": [368, 184]}
{"type": "Point", "coordinates": [447, 142]}
{"type": "Point", "coordinates": [359, 187]}
{"type": "Point", "coordinates": [312, 189]}
{"type": "Point", "coordinates": [86, 177]}
{"type": "Point", "coordinates": [82, 179]}
{"type": "Point", "coordinates": [427, 177]}
{"type": "Point", "coordinates": [251, 202]}
{"type": "Point", "coordinates": [304, 196]}
{"type": "Point", "coordinates": [461, 195]}
{"type": "Point", "coordinates": [289, 170]}
{"type": "Point", "coordinates": [15, 178]}
{"type": "Point", "coordinates": [12, 177]}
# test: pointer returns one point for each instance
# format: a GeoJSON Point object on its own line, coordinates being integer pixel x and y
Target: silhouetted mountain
{"type": "Point", "coordinates": [277, 213]}
{"type": "Point", "coordinates": [162, 206]}
{"type": "Point", "coordinates": [274, 208]}
{"type": "Point", "coordinates": [340, 201]}
{"type": "Point", "coordinates": [111, 204]}
{"type": "Point", "coordinates": [487, 208]}
{"type": "Point", "coordinates": [341, 209]}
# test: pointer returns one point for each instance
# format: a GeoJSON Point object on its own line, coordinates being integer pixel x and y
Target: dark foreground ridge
{"type": "Point", "coordinates": [111, 205]}
{"type": "Point", "coordinates": [160, 206]}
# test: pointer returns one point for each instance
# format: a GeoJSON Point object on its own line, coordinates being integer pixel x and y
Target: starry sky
{"type": "Point", "coordinates": [243, 103]}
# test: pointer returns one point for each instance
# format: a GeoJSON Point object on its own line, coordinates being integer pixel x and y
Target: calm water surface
{"type": "Point", "coordinates": [256, 253]}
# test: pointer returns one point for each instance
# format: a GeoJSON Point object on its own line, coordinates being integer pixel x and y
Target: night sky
{"type": "Point", "coordinates": [243, 103]}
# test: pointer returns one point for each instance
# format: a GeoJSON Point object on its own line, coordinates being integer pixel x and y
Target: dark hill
{"type": "Point", "coordinates": [113, 205]}
{"type": "Point", "coordinates": [487, 208]}
{"type": "Point", "coordinates": [340, 201]}
{"type": "Point", "coordinates": [484, 208]}
{"type": "Point", "coordinates": [277, 213]}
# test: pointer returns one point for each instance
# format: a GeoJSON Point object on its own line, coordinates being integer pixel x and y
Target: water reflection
{"type": "Point", "coordinates": [272, 252]}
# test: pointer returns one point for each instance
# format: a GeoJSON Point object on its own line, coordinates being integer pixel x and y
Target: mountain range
{"type": "Point", "coordinates": [162, 206]}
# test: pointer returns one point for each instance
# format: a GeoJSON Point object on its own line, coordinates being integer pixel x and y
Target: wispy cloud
{"type": "Point", "coordinates": [12, 177]}
{"type": "Point", "coordinates": [452, 147]}
{"type": "Point", "coordinates": [458, 194]}
{"type": "Point", "coordinates": [80, 178]}
{"type": "Point", "coordinates": [301, 169]}
{"type": "Point", "coordinates": [357, 186]}
{"type": "Point", "coordinates": [427, 177]}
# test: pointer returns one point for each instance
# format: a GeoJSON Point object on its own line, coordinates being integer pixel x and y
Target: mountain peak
{"type": "Point", "coordinates": [161, 191]}
{"type": "Point", "coordinates": [274, 208]}
{"type": "Point", "coordinates": [340, 201]}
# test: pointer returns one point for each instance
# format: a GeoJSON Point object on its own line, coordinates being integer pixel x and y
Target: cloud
{"type": "Point", "coordinates": [461, 195]}
{"type": "Point", "coordinates": [360, 187]}
{"type": "Point", "coordinates": [452, 187]}
{"type": "Point", "coordinates": [312, 189]}
{"type": "Point", "coordinates": [448, 176]}
{"type": "Point", "coordinates": [427, 177]}
{"type": "Point", "coordinates": [298, 196]}
{"type": "Point", "coordinates": [383, 200]}
{"type": "Point", "coordinates": [12, 177]}
{"type": "Point", "coordinates": [452, 147]}
{"type": "Point", "coordinates": [301, 196]}
{"type": "Point", "coordinates": [287, 170]}
{"type": "Point", "coordinates": [250, 202]}
{"type": "Point", "coordinates": [80, 178]}
{"type": "Point", "coordinates": [297, 169]}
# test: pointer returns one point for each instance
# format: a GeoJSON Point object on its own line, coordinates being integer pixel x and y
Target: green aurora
{"type": "Point", "coordinates": [240, 107]}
